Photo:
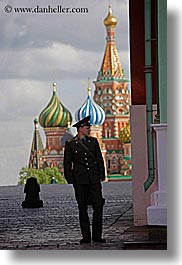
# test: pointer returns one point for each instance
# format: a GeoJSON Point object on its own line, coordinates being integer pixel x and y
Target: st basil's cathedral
{"type": "Point", "coordinates": [109, 109]}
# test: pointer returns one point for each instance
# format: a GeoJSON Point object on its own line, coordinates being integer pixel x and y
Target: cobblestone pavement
{"type": "Point", "coordinates": [56, 225]}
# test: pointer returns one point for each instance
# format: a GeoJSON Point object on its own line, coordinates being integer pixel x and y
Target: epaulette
{"type": "Point", "coordinates": [70, 140]}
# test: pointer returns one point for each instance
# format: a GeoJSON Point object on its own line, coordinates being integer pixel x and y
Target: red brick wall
{"type": "Point", "coordinates": [137, 52]}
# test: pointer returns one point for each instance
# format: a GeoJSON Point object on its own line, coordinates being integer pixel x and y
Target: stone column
{"type": "Point", "coordinates": [157, 212]}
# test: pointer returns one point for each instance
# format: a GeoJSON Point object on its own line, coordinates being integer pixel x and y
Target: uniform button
{"type": "Point", "coordinates": [85, 158]}
{"type": "Point", "coordinates": [87, 164]}
{"type": "Point", "coordinates": [85, 154]}
{"type": "Point", "coordinates": [88, 168]}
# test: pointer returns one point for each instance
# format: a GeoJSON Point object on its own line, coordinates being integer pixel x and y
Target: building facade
{"type": "Point", "coordinates": [148, 53]}
{"type": "Point", "coordinates": [113, 95]}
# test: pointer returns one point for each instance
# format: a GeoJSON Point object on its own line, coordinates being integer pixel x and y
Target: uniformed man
{"type": "Point", "coordinates": [84, 168]}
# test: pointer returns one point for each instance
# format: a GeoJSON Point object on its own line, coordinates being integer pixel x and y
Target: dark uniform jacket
{"type": "Point", "coordinates": [81, 165]}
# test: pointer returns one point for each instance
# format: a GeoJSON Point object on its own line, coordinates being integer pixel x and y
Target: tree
{"type": "Point", "coordinates": [43, 176]}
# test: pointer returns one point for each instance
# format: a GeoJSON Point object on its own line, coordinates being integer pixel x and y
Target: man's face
{"type": "Point", "coordinates": [85, 130]}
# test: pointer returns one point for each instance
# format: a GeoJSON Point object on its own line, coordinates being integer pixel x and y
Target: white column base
{"type": "Point", "coordinates": [159, 199]}
{"type": "Point", "coordinates": [157, 215]}
{"type": "Point", "coordinates": [157, 212]}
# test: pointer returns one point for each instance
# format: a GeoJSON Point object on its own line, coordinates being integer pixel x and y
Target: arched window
{"type": "Point", "coordinates": [53, 152]}
{"type": "Point", "coordinates": [99, 91]}
{"type": "Point", "coordinates": [107, 132]}
{"type": "Point", "coordinates": [108, 163]}
{"type": "Point", "coordinates": [114, 160]}
{"type": "Point", "coordinates": [108, 111]}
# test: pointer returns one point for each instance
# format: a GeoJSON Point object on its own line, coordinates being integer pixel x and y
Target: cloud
{"type": "Point", "coordinates": [39, 63]}
{"type": "Point", "coordinates": [32, 45]}
{"type": "Point", "coordinates": [83, 30]}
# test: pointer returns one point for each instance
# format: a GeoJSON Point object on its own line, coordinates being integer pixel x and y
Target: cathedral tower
{"type": "Point", "coordinates": [113, 95]}
{"type": "Point", "coordinates": [97, 117]}
{"type": "Point", "coordinates": [55, 119]}
{"type": "Point", "coordinates": [36, 153]}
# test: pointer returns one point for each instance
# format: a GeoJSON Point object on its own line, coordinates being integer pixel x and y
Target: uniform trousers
{"type": "Point", "coordinates": [90, 194]}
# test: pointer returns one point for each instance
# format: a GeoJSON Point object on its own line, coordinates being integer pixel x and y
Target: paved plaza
{"type": "Point", "coordinates": [56, 225]}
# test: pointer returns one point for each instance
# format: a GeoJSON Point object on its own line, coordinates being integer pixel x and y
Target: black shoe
{"type": "Point", "coordinates": [85, 241]}
{"type": "Point", "coordinates": [100, 240]}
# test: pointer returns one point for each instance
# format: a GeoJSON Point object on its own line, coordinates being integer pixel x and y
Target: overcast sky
{"type": "Point", "coordinates": [38, 49]}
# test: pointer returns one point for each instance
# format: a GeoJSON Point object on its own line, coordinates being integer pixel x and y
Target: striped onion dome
{"type": "Point", "coordinates": [89, 107]}
{"type": "Point", "coordinates": [55, 114]}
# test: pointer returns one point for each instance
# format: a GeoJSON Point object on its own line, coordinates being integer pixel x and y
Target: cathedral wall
{"type": "Point", "coordinates": [53, 138]}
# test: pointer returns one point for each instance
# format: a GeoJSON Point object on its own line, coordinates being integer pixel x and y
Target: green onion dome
{"type": "Point", "coordinates": [55, 114]}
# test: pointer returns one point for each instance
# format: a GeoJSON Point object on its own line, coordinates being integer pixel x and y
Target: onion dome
{"type": "Point", "coordinates": [89, 107]}
{"type": "Point", "coordinates": [36, 122]}
{"type": "Point", "coordinates": [125, 135]}
{"type": "Point", "coordinates": [110, 20]}
{"type": "Point", "coordinates": [55, 114]}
